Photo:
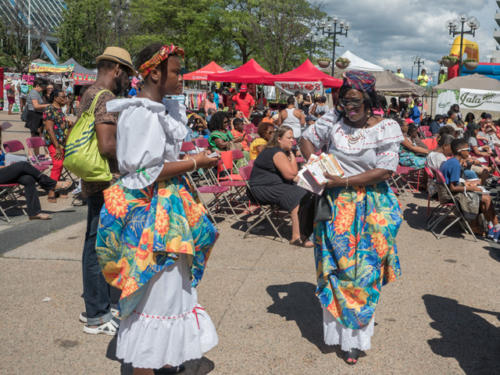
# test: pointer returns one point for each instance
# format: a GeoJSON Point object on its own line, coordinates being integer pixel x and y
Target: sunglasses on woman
{"type": "Point", "coordinates": [355, 103]}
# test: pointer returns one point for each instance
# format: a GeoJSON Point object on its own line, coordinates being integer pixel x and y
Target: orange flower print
{"type": "Point", "coordinates": [116, 274]}
{"type": "Point", "coordinates": [380, 244]}
{"type": "Point", "coordinates": [144, 251]}
{"type": "Point", "coordinates": [130, 287]}
{"type": "Point", "coordinates": [355, 297]}
{"type": "Point", "coordinates": [376, 219]}
{"type": "Point", "coordinates": [345, 217]}
{"type": "Point", "coordinates": [162, 223]}
{"type": "Point", "coordinates": [334, 308]}
{"type": "Point", "coordinates": [115, 201]}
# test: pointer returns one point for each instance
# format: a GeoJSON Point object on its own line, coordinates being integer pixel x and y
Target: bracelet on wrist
{"type": "Point", "coordinates": [194, 165]}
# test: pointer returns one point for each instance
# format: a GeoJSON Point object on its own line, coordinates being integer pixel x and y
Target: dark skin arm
{"type": "Point", "coordinates": [415, 149]}
{"type": "Point", "coordinates": [370, 177]}
{"type": "Point", "coordinates": [106, 139]}
{"type": "Point", "coordinates": [176, 168]}
{"type": "Point", "coordinates": [49, 127]}
{"type": "Point", "coordinates": [221, 145]}
{"type": "Point", "coordinates": [306, 148]}
{"type": "Point", "coordinates": [455, 188]}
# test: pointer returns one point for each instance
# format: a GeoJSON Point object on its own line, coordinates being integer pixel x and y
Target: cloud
{"type": "Point", "coordinates": [392, 33]}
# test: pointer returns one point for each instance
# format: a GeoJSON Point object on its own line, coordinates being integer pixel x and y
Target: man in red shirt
{"type": "Point", "coordinates": [244, 102]}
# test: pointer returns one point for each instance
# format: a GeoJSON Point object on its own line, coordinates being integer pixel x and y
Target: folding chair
{"type": "Point", "coordinates": [15, 146]}
{"type": "Point", "coordinates": [265, 211]}
{"type": "Point", "coordinates": [41, 160]}
{"type": "Point", "coordinates": [431, 143]}
{"type": "Point", "coordinates": [202, 143]}
{"type": "Point", "coordinates": [188, 147]}
{"type": "Point", "coordinates": [430, 177]}
{"type": "Point", "coordinates": [447, 205]}
{"type": "Point", "coordinates": [8, 198]}
{"type": "Point", "coordinates": [400, 183]}
{"type": "Point", "coordinates": [237, 156]}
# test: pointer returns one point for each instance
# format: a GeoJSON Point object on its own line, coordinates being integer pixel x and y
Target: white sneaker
{"type": "Point", "coordinates": [83, 315]}
{"type": "Point", "coordinates": [109, 328]}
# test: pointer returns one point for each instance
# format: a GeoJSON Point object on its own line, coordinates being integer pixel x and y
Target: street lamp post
{"type": "Point", "coordinates": [453, 27]}
{"type": "Point", "coordinates": [331, 31]}
{"type": "Point", "coordinates": [418, 62]}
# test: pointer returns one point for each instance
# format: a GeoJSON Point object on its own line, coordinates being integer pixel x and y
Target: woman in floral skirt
{"type": "Point", "coordinates": [355, 250]}
{"type": "Point", "coordinates": [154, 238]}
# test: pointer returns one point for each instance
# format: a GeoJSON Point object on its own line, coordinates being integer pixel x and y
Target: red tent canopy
{"type": "Point", "coordinates": [202, 73]}
{"type": "Point", "coordinates": [308, 72]}
{"type": "Point", "coordinates": [250, 72]}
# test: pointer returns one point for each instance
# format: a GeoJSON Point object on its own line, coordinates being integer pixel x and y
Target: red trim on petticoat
{"type": "Point", "coordinates": [159, 317]}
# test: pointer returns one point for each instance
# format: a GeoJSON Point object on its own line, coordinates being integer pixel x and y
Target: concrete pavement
{"type": "Point", "coordinates": [441, 317]}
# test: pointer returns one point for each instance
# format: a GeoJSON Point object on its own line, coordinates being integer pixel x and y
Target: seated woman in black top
{"type": "Point", "coordinates": [273, 173]}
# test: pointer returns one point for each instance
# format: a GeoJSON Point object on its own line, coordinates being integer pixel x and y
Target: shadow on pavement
{"type": "Point", "coordinates": [200, 366]}
{"type": "Point", "coordinates": [301, 305]}
{"type": "Point", "coordinates": [494, 252]}
{"type": "Point", "coordinates": [465, 335]}
{"type": "Point", "coordinates": [416, 217]}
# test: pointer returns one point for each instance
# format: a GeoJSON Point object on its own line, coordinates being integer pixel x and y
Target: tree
{"type": "Point", "coordinates": [14, 39]}
{"type": "Point", "coordinates": [283, 31]}
{"type": "Point", "coordinates": [195, 25]}
{"type": "Point", "coordinates": [86, 30]}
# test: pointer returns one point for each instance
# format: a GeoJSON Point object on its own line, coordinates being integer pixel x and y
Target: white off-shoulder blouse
{"type": "Point", "coordinates": [357, 150]}
{"type": "Point", "coordinates": [148, 135]}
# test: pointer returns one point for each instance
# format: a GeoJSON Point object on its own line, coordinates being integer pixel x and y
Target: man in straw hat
{"type": "Point", "coordinates": [114, 67]}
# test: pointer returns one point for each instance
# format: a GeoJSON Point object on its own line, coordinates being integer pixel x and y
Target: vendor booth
{"type": "Point", "coordinates": [391, 85]}
{"type": "Point", "coordinates": [305, 78]}
{"type": "Point", "coordinates": [202, 73]}
{"type": "Point", "coordinates": [250, 72]}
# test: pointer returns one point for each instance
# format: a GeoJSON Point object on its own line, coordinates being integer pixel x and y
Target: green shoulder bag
{"type": "Point", "coordinates": [82, 155]}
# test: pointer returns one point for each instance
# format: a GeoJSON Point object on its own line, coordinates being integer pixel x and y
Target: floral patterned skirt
{"type": "Point", "coordinates": [355, 252]}
{"type": "Point", "coordinates": [142, 231]}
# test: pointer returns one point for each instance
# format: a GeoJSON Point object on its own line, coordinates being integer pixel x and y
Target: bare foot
{"type": "Point", "coordinates": [41, 216]}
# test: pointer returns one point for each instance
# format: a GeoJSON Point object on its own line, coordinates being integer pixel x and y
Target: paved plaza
{"type": "Point", "coordinates": [441, 317]}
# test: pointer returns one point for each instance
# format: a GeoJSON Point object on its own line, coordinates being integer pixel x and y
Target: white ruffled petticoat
{"type": "Point", "coordinates": [336, 334]}
{"type": "Point", "coordinates": [168, 326]}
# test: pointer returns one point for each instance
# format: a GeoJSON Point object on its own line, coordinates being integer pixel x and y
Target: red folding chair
{"type": "Point", "coordinates": [263, 212]}
{"type": "Point", "coordinates": [202, 143]}
{"type": "Point", "coordinates": [15, 146]}
{"type": "Point", "coordinates": [431, 143]}
{"type": "Point", "coordinates": [188, 147]}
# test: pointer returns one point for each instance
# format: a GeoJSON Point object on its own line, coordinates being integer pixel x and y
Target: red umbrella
{"type": "Point", "coordinates": [250, 72]}
{"type": "Point", "coordinates": [308, 72]}
{"type": "Point", "coordinates": [202, 73]}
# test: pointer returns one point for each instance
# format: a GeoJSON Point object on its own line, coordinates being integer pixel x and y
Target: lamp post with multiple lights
{"type": "Point", "coordinates": [457, 27]}
{"type": "Point", "coordinates": [332, 28]}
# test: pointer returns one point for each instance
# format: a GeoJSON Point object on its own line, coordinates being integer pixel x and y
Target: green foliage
{"type": "Point", "coordinates": [86, 30]}
{"type": "Point", "coordinates": [277, 33]}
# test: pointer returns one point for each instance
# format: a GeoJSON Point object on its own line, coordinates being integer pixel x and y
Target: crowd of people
{"type": "Point", "coordinates": [149, 237]}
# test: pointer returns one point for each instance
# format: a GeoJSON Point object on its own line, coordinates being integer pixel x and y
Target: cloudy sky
{"type": "Point", "coordinates": [392, 32]}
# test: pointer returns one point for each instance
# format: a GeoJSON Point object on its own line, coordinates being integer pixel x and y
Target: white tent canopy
{"type": "Point", "coordinates": [357, 63]}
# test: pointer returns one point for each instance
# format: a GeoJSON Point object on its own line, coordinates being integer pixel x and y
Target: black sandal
{"type": "Point", "coordinates": [170, 370]}
{"type": "Point", "coordinates": [352, 356]}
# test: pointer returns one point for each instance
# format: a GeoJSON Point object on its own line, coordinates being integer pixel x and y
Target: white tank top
{"type": "Point", "coordinates": [293, 122]}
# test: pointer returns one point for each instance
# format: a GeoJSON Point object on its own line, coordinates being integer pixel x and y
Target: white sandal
{"type": "Point", "coordinates": [109, 328]}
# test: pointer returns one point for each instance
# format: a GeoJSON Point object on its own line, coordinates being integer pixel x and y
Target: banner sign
{"type": "Point", "coordinates": [481, 100]}
{"type": "Point", "coordinates": [29, 78]}
{"type": "Point", "coordinates": [290, 88]}
{"type": "Point", "coordinates": [84, 79]}
{"type": "Point", "coordinates": [468, 99]}
{"type": "Point", "coordinates": [49, 68]}
{"type": "Point", "coordinates": [445, 99]}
